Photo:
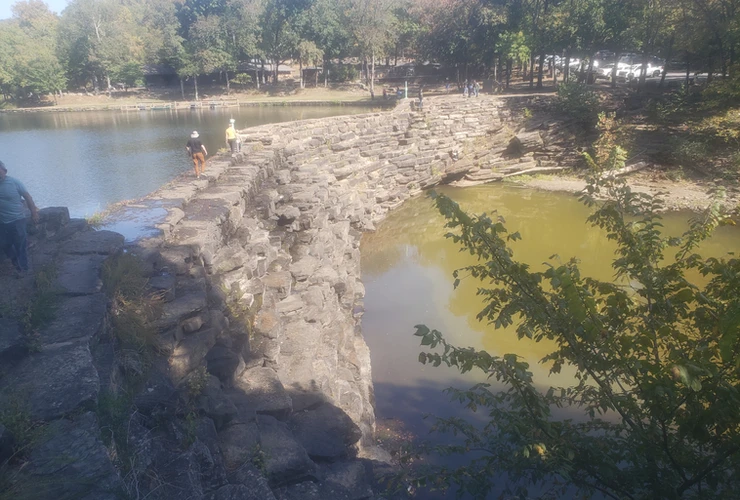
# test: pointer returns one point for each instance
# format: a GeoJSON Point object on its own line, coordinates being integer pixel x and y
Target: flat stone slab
{"type": "Point", "coordinates": [94, 242]}
{"type": "Point", "coordinates": [188, 304]}
{"type": "Point", "coordinates": [77, 318]}
{"type": "Point", "coordinates": [80, 274]}
{"type": "Point", "coordinates": [71, 462]}
{"type": "Point", "coordinates": [54, 382]}
{"type": "Point", "coordinates": [264, 392]}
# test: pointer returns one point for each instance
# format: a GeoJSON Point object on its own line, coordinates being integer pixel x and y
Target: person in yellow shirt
{"type": "Point", "coordinates": [231, 137]}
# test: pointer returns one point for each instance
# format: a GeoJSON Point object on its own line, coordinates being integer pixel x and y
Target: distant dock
{"type": "Point", "coordinates": [159, 105]}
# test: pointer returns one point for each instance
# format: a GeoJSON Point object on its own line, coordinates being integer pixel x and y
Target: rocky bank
{"type": "Point", "coordinates": [261, 386]}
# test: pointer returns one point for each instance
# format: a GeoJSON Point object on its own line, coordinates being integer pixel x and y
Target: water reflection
{"type": "Point", "coordinates": [87, 160]}
{"type": "Point", "coordinates": [407, 270]}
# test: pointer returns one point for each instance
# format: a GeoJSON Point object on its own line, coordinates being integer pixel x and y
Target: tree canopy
{"type": "Point", "coordinates": [95, 42]}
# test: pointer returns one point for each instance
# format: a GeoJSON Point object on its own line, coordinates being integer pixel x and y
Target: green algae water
{"type": "Point", "coordinates": [89, 159]}
{"type": "Point", "coordinates": [407, 267]}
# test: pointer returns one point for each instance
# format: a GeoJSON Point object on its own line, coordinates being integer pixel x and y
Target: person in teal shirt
{"type": "Point", "coordinates": [13, 239]}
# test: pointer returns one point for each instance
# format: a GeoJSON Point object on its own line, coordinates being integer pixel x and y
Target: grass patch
{"type": "Point", "coordinates": [132, 312]}
{"type": "Point", "coordinates": [238, 312]}
{"type": "Point", "coordinates": [42, 306]}
{"type": "Point", "coordinates": [97, 219]}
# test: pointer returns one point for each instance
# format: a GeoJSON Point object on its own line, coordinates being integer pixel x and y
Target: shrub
{"type": "Point", "coordinates": [576, 101]}
{"type": "Point", "coordinates": [342, 73]}
{"type": "Point", "coordinates": [724, 127]}
{"type": "Point", "coordinates": [723, 92]}
{"type": "Point", "coordinates": [654, 411]}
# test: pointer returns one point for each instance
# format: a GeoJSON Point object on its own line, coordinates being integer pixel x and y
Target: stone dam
{"type": "Point", "coordinates": [257, 382]}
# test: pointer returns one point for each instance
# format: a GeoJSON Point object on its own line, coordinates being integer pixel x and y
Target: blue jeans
{"type": "Point", "coordinates": [14, 243]}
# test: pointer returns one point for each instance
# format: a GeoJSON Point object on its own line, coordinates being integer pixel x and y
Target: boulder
{"type": "Point", "coordinates": [239, 444]}
{"type": "Point", "coordinates": [262, 390]}
{"type": "Point", "coordinates": [53, 218]}
{"type": "Point", "coordinates": [164, 285]}
{"type": "Point", "coordinates": [158, 395]}
{"type": "Point", "coordinates": [251, 478]}
{"type": "Point", "coordinates": [223, 363]}
{"type": "Point", "coordinates": [190, 353]}
{"type": "Point", "coordinates": [216, 405]}
{"type": "Point", "coordinates": [285, 459]}
{"type": "Point", "coordinates": [94, 242]}
{"type": "Point", "coordinates": [327, 433]}
{"type": "Point", "coordinates": [187, 305]}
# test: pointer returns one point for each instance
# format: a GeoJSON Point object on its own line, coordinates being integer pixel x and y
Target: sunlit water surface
{"type": "Point", "coordinates": [88, 160]}
{"type": "Point", "coordinates": [407, 267]}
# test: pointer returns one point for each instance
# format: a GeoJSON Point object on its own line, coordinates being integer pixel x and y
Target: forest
{"type": "Point", "coordinates": [98, 44]}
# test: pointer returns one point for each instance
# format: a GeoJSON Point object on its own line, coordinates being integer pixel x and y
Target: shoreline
{"type": "Point", "coordinates": [369, 103]}
{"type": "Point", "coordinates": [680, 195]}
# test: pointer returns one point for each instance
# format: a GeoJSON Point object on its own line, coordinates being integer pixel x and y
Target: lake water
{"type": "Point", "coordinates": [407, 267]}
{"type": "Point", "coordinates": [88, 160]}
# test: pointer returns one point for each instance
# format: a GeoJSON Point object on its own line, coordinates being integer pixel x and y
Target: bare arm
{"type": "Point", "coordinates": [31, 206]}
{"type": "Point", "coordinates": [205, 151]}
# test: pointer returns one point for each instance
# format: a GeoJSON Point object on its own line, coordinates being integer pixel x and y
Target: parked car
{"type": "Point", "coordinates": [626, 61]}
{"type": "Point", "coordinates": [653, 69]}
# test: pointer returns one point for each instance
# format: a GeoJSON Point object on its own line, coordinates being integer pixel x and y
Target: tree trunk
{"type": "Point", "coordinates": [566, 68]}
{"type": "Point", "coordinates": [316, 77]}
{"type": "Point", "coordinates": [554, 73]}
{"type": "Point", "coordinates": [541, 69]}
{"type": "Point", "coordinates": [643, 72]}
{"type": "Point", "coordinates": [326, 73]}
{"type": "Point", "coordinates": [688, 73]}
{"type": "Point", "coordinates": [107, 79]}
{"type": "Point", "coordinates": [669, 54]}
{"type": "Point", "coordinates": [228, 83]}
{"type": "Point", "coordinates": [509, 65]}
{"type": "Point", "coordinates": [372, 74]}
{"type": "Point", "coordinates": [614, 69]}
{"type": "Point", "coordinates": [300, 70]}
{"type": "Point", "coordinates": [182, 88]}
{"type": "Point", "coordinates": [277, 69]}
{"type": "Point", "coordinates": [96, 87]}
{"type": "Point", "coordinates": [531, 71]}
{"type": "Point", "coordinates": [195, 85]}
{"type": "Point", "coordinates": [257, 77]}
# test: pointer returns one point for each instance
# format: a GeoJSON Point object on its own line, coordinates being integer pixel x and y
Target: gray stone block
{"type": "Point", "coordinates": [239, 444]}
{"type": "Point", "coordinates": [94, 242]}
{"type": "Point", "coordinates": [80, 274]}
{"type": "Point", "coordinates": [54, 382]}
{"type": "Point", "coordinates": [71, 462]}
{"type": "Point", "coordinates": [327, 433]}
{"type": "Point", "coordinates": [285, 459]}
{"type": "Point", "coordinates": [264, 392]}
{"type": "Point", "coordinates": [77, 319]}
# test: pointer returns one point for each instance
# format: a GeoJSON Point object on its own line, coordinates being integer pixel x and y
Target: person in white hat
{"type": "Point", "coordinates": [197, 152]}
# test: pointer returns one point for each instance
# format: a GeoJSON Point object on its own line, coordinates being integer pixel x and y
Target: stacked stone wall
{"type": "Point", "coordinates": [258, 266]}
